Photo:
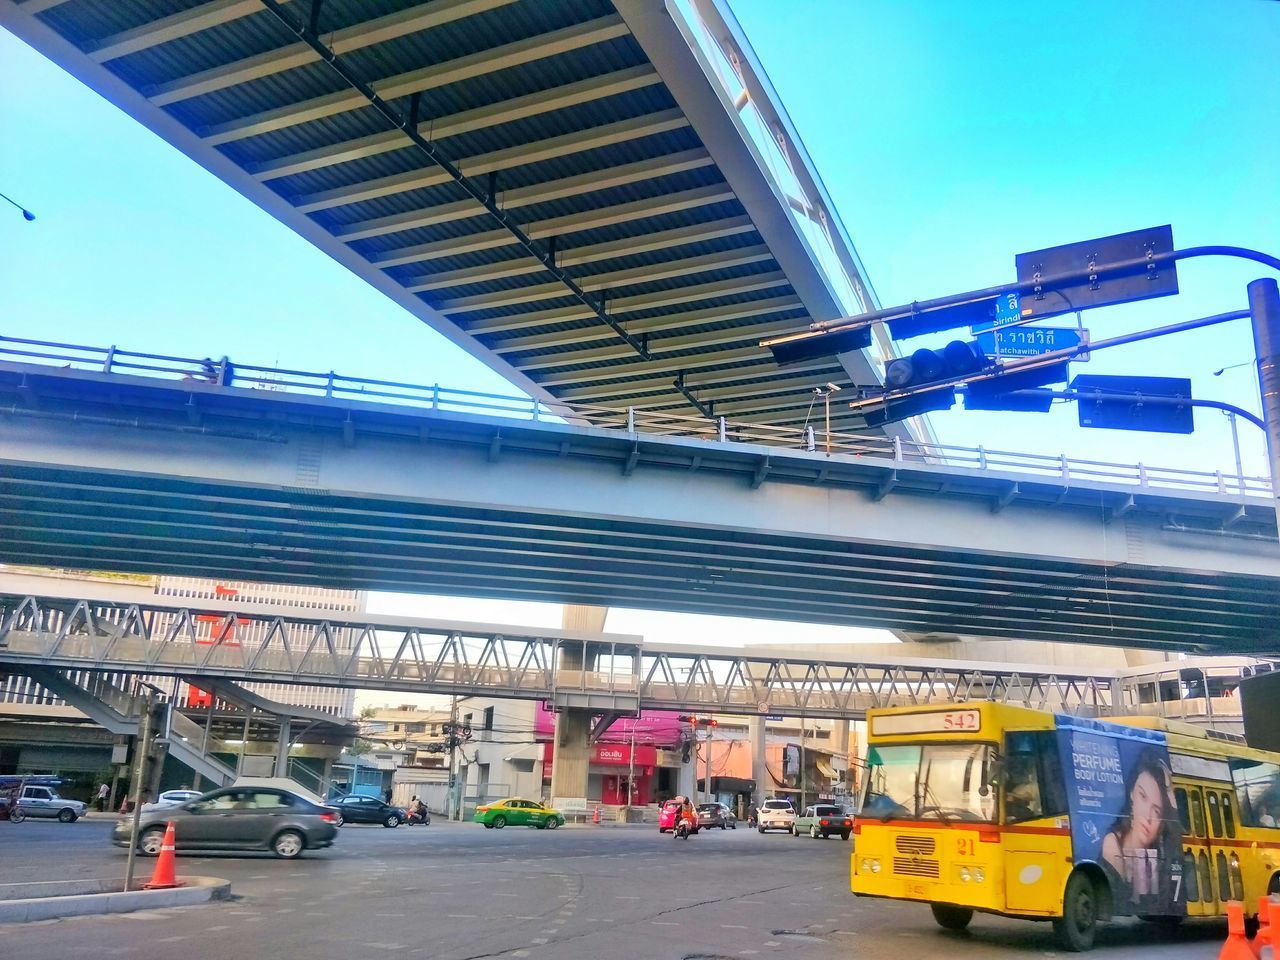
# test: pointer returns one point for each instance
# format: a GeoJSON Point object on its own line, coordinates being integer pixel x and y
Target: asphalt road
{"type": "Point", "coordinates": [459, 892]}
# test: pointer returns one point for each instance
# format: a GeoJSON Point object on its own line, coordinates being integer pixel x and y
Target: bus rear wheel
{"type": "Point", "coordinates": [950, 917]}
{"type": "Point", "coordinates": [1078, 924]}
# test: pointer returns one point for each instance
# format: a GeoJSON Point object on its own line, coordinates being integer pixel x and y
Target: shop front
{"type": "Point", "coordinates": [614, 772]}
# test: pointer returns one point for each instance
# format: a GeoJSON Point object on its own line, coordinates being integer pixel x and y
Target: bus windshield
{"type": "Point", "coordinates": [946, 781]}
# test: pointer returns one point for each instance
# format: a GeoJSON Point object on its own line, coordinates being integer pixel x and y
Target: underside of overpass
{"type": "Point", "coordinates": [113, 472]}
{"type": "Point", "coordinates": [603, 200]}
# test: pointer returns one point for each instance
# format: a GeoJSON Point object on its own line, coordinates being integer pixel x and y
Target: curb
{"type": "Point", "coordinates": [71, 904]}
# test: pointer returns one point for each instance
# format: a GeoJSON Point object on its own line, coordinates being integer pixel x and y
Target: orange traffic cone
{"type": "Point", "coordinates": [162, 877]}
{"type": "Point", "coordinates": [1237, 945]}
{"type": "Point", "coordinates": [1263, 936]}
{"type": "Point", "coordinates": [595, 817]}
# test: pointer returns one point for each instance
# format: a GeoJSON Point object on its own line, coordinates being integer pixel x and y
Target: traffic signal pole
{"type": "Point", "coordinates": [1264, 305]}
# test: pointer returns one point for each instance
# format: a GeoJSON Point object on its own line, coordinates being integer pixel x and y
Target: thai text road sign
{"type": "Point", "coordinates": [1026, 341]}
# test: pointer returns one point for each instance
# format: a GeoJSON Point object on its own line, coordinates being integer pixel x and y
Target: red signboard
{"type": "Point", "coordinates": [619, 754]}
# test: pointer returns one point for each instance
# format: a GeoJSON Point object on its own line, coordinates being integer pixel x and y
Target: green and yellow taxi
{"type": "Point", "coordinates": [518, 813]}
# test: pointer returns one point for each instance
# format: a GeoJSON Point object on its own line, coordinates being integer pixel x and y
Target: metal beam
{"type": "Point", "coordinates": [660, 383]}
{"type": "Point", "coordinates": [469, 67]}
{"type": "Point", "coordinates": [167, 29]}
{"type": "Point", "coordinates": [670, 321]}
{"type": "Point", "coordinates": [562, 146]}
{"type": "Point", "coordinates": [749, 334]}
{"type": "Point", "coordinates": [646, 301]}
{"type": "Point", "coordinates": [294, 55]}
{"type": "Point", "coordinates": [623, 371]}
{"type": "Point", "coordinates": [612, 281]}
{"type": "Point", "coordinates": [576, 256]}
{"type": "Point", "coordinates": [575, 186]}
{"type": "Point", "coordinates": [468, 121]}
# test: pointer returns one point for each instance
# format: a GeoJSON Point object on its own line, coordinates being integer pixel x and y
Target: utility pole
{"type": "Point", "coordinates": [453, 752]}
{"type": "Point", "coordinates": [706, 783]}
{"type": "Point", "coordinates": [139, 769]}
{"type": "Point", "coordinates": [631, 770]}
{"type": "Point", "coordinates": [1264, 306]}
{"type": "Point", "coordinates": [802, 761]}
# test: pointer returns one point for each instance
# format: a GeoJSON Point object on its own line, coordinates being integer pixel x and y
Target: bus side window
{"type": "Point", "coordinates": [1184, 811]}
{"type": "Point", "coordinates": [1228, 818]}
{"type": "Point", "coordinates": [1224, 878]}
{"type": "Point", "coordinates": [1197, 815]}
{"type": "Point", "coordinates": [1021, 779]}
{"type": "Point", "coordinates": [1189, 876]}
{"type": "Point", "coordinates": [1215, 815]}
{"type": "Point", "coordinates": [1053, 789]}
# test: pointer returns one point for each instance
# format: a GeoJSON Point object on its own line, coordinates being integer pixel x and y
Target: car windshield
{"type": "Point", "coordinates": [777, 805]}
{"type": "Point", "coordinates": [948, 781]}
{"type": "Point", "coordinates": [828, 811]}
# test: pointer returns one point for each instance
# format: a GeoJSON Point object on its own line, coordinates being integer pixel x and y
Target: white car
{"type": "Point", "coordinates": [173, 798]}
{"type": "Point", "coordinates": [44, 801]}
{"type": "Point", "coordinates": [775, 815]}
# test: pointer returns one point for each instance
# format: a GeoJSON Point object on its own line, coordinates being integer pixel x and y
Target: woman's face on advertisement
{"type": "Point", "coordinates": [1148, 809]}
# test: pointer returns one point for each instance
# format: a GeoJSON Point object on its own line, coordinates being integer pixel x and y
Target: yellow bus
{"type": "Point", "coordinates": [983, 807]}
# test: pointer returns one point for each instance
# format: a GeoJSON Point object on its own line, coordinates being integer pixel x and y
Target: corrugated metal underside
{"type": "Point", "coordinates": [554, 104]}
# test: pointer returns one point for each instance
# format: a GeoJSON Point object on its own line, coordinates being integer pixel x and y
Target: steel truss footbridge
{"type": "Point", "coordinates": [610, 674]}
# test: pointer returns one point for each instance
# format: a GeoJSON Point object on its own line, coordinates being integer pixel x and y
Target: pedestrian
{"type": "Point", "coordinates": [103, 793]}
{"type": "Point", "coordinates": [387, 796]}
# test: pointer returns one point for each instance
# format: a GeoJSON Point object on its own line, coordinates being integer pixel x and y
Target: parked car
{"type": "Point", "coordinates": [775, 815]}
{"type": "Point", "coordinates": [237, 818]}
{"type": "Point", "coordinates": [823, 820]}
{"type": "Point", "coordinates": [44, 801]}
{"type": "Point", "coordinates": [361, 809]}
{"type": "Point", "coordinates": [518, 813]}
{"type": "Point", "coordinates": [173, 798]}
{"type": "Point", "coordinates": [716, 815]}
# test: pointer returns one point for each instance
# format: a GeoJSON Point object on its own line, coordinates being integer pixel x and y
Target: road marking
{"type": "Point", "coordinates": [462, 916]}
{"type": "Point", "coordinates": [664, 923]}
{"type": "Point", "coordinates": [539, 940]}
{"type": "Point", "coordinates": [216, 929]}
{"type": "Point", "coordinates": [376, 914]}
{"type": "Point", "coordinates": [773, 943]}
{"type": "Point", "coordinates": [733, 926]}
{"type": "Point", "coordinates": [626, 898]}
{"type": "Point", "coordinates": [504, 894]}
{"type": "Point", "coordinates": [170, 939]}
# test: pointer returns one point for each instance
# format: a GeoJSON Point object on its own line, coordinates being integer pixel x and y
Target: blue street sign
{"type": "Point", "coordinates": [1028, 341]}
{"type": "Point", "coordinates": [1008, 309]}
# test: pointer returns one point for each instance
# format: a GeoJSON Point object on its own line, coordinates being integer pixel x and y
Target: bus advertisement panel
{"type": "Point", "coordinates": [1123, 813]}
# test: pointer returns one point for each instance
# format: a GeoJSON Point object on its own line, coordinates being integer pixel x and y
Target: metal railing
{"type": "Point", "coordinates": [633, 420]}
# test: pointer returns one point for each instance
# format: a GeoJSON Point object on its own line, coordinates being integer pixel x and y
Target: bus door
{"type": "Point", "coordinates": [1035, 836]}
{"type": "Point", "coordinates": [1199, 876]}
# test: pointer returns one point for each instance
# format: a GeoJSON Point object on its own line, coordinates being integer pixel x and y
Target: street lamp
{"type": "Point", "coordinates": [825, 393]}
{"type": "Point", "coordinates": [26, 214]}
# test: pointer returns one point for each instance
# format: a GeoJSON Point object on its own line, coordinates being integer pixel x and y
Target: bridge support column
{"type": "Point", "coordinates": [571, 753]}
{"type": "Point", "coordinates": [759, 769]}
{"type": "Point", "coordinates": [571, 756]}
{"type": "Point", "coordinates": [282, 750]}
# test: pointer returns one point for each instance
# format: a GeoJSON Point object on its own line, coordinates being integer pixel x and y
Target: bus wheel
{"type": "Point", "coordinates": [1079, 922]}
{"type": "Point", "coordinates": [949, 917]}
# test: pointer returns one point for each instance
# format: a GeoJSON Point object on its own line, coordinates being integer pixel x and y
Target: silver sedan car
{"type": "Point", "coordinates": [237, 818]}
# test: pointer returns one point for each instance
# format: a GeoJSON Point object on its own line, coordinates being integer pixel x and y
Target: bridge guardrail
{"type": "Point", "coordinates": [631, 419]}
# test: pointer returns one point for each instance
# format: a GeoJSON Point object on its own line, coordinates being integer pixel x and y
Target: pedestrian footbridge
{"type": "Point", "coordinates": [136, 462]}
{"type": "Point", "coordinates": [604, 674]}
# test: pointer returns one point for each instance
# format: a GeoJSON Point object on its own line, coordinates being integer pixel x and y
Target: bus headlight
{"type": "Point", "coordinates": [964, 875]}
{"type": "Point", "coordinates": [875, 866]}
{"type": "Point", "coordinates": [978, 874]}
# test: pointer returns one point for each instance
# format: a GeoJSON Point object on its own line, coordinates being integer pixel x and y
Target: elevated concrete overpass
{"type": "Point", "coordinates": [112, 470]}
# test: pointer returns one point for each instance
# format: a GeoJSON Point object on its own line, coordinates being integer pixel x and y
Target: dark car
{"type": "Point", "coordinates": [361, 809]}
{"type": "Point", "coordinates": [716, 815]}
{"type": "Point", "coordinates": [237, 818]}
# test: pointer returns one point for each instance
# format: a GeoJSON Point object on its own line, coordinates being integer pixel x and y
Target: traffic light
{"type": "Point", "coordinates": [998, 393]}
{"type": "Point", "coordinates": [956, 359]}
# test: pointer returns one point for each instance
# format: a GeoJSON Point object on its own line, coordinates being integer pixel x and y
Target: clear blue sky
{"type": "Point", "coordinates": [950, 135]}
